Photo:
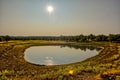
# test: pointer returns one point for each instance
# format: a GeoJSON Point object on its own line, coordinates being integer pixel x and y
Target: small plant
{"type": "Point", "coordinates": [4, 74]}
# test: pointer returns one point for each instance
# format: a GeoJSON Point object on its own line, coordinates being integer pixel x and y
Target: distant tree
{"type": "Point", "coordinates": [117, 37]}
{"type": "Point", "coordinates": [2, 38]}
{"type": "Point", "coordinates": [76, 38]}
{"type": "Point", "coordinates": [113, 37]}
{"type": "Point", "coordinates": [84, 38]}
{"type": "Point", "coordinates": [104, 37]}
{"type": "Point", "coordinates": [81, 37]}
{"type": "Point", "coordinates": [101, 38]}
{"type": "Point", "coordinates": [7, 38]}
{"type": "Point", "coordinates": [91, 37]}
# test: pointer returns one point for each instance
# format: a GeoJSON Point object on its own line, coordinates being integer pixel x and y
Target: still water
{"type": "Point", "coordinates": [56, 55]}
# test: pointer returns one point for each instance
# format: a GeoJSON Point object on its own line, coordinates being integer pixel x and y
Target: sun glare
{"type": "Point", "coordinates": [50, 9]}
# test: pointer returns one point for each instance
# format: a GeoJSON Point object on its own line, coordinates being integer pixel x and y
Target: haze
{"type": "Point", "coordinates": [70, 17]}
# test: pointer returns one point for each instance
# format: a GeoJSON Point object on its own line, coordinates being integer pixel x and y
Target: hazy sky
{"type": "Point", "coordinates": [70, 17]}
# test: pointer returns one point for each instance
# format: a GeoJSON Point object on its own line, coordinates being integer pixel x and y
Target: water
{"type": "Point", "coordinates": [56, 55]}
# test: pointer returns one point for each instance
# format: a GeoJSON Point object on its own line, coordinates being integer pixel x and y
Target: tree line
{"type": "Point", "coordinates": [77, 38]}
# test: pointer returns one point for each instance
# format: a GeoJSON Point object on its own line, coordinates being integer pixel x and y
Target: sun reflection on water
{"type": "Point", "coordinates": [49, 61]}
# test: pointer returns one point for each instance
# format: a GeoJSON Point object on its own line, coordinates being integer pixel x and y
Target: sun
{"type": "Point", "coordinates": [50, 9]}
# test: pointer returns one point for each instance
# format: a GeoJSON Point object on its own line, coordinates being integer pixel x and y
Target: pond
{"type": "Point", "coordinates": [59, 54]}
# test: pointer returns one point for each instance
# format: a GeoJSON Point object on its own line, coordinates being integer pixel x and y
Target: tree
{"type": "Point", "coordinates": [101, 38]}
{"type": "Point", "coordinates": [76, 38]}
{"type": "Point", "coordinates": [2, 38]}
{"type": "Point", "coordinates": [91, 37]}
{"type": "Point", "coordinates": [7, 38]}
{"type": "Point", "coordinates": [113, 37]}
